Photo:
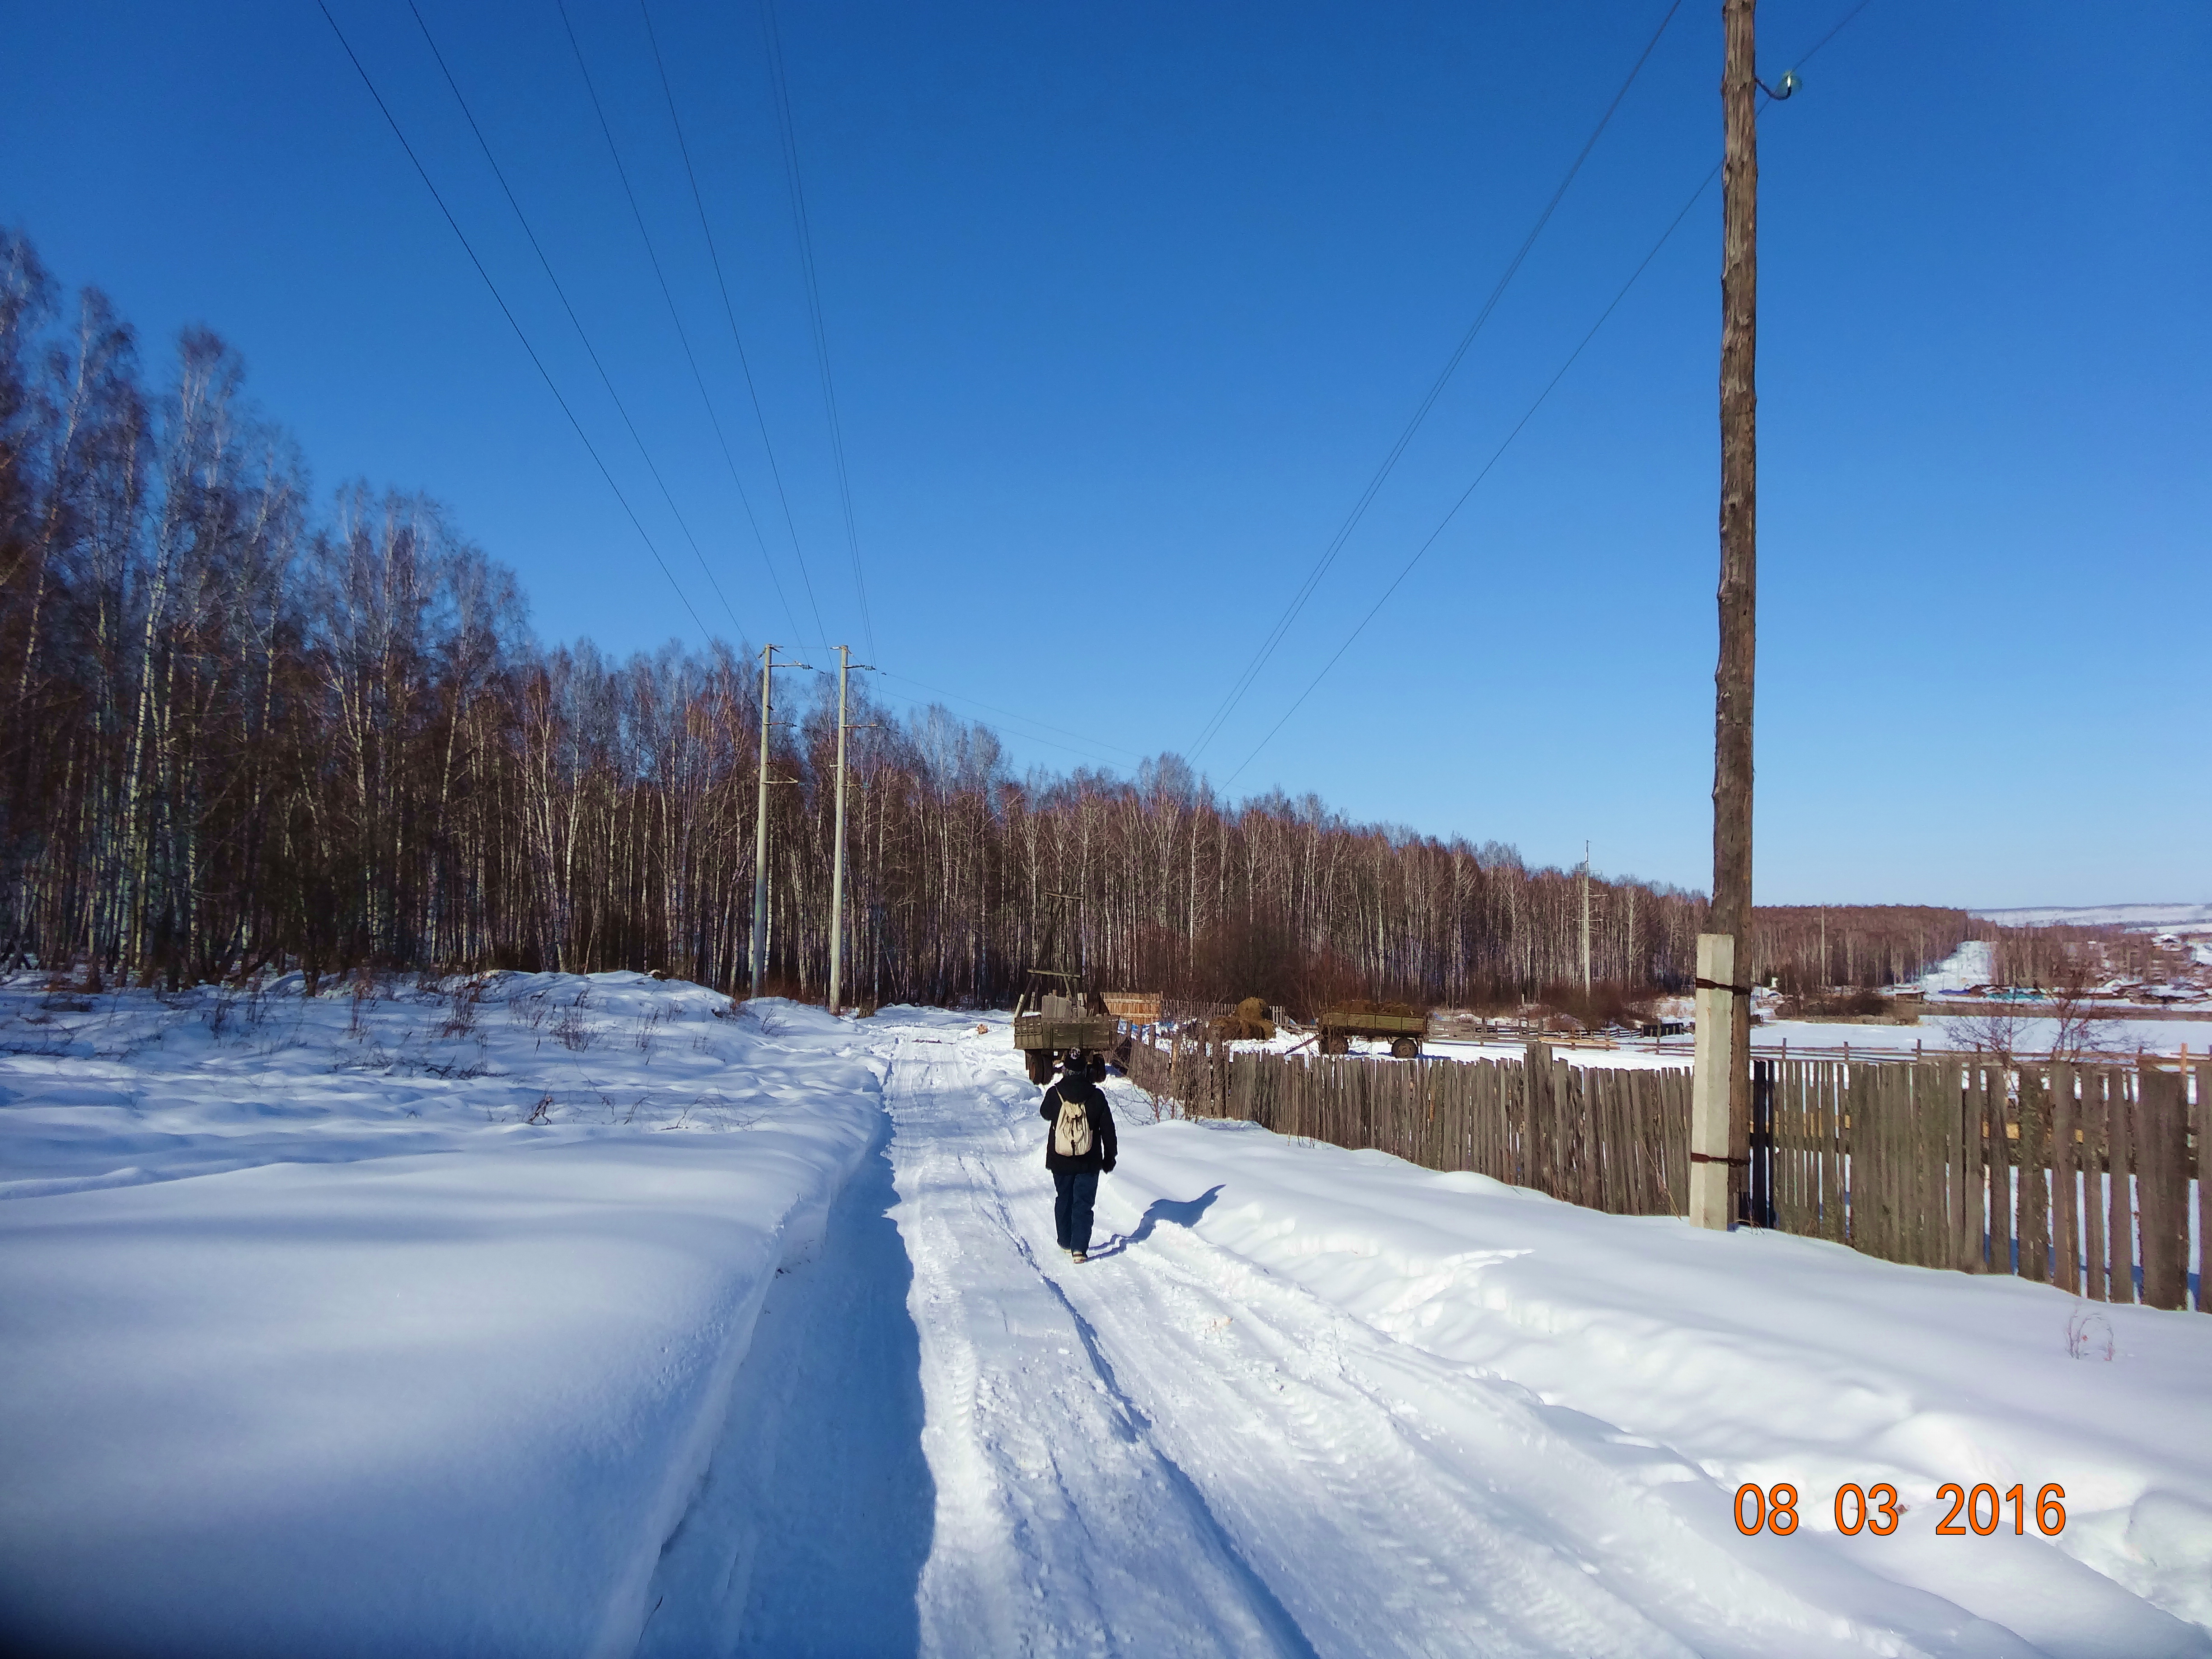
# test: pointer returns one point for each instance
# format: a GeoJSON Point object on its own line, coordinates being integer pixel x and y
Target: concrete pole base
{"type": "Point", "coordinates": [1714, 1065]}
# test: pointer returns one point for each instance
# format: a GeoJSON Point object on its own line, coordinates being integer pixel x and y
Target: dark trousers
{"type": "Point", "coordinates": [1075, 1192]}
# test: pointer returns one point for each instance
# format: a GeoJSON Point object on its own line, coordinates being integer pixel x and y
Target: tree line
{"type": "Point", "coordinates": [248, 728]}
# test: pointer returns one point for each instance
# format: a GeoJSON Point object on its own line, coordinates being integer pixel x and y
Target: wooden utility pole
{"type": "Point", "coordinates": [756, 959]}
{"type": "Point", "coordinates": [1586, 959]}
{"type": "Point", "coordinates": [837, 863]}
{"type": "Point", "coordinates": [759, 961]}
{"type": "Point", "coordinates": [1725, 1090]}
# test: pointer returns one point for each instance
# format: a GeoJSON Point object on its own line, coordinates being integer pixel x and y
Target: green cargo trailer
{"type": "Point", "coordinates": [1403, 1032]}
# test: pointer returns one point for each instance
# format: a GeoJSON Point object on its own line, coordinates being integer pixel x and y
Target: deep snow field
{"type": "Point", "coordinates": [592, 1317]}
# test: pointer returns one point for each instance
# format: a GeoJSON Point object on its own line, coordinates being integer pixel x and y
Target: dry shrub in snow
{"type": "Point", "coordinates": [2089, 1336]}
{"type": "Point", "coordinates": [572, 1030]}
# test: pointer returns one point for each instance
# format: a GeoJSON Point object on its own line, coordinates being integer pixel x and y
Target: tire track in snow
{"type": "Point", "coordinates": [1453, 1521]}
{"type": "Point", "coordinates": [1388, 1501]}
{"type": "Point", "coordinates": [1337, 1492]}
{"type": "Point", "coordinates": [1061, 1528]}
{"type": "Point", "coordinates": [1338, 1531]}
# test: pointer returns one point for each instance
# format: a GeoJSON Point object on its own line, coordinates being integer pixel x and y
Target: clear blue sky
{"type": "Point", "coordinates": [1126, 303]}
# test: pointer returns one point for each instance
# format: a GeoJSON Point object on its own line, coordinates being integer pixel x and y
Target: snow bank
{"type": "Point", "coordinates": [402, 1324]}
{"type": "Point", "coordinates": [1755, 1357]}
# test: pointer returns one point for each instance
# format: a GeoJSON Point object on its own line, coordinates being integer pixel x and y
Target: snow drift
{"type": "Point", "coordinates": [410, 1372]}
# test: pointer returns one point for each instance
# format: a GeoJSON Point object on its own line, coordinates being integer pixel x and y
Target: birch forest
{"type": "Point", "coordinates": [249, 726]}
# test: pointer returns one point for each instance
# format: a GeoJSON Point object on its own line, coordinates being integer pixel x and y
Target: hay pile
{"type": "Point", "coordinates": [1250, 1023]}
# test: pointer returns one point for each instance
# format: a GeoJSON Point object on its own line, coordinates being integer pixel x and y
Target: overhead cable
{"type": "Point", "coordinates": [1027, 736]}
{"type": "Point", "coordinates": [1806, 56]}
{"type": "Point", "coordinates": [1428, 401]}
{"type": "Point", "coordinates": [675, 316]}
{"type": "Point", "coordinates": [592, 351]}
{"type": "Point", "coordinates": [1099, 743]}
{"type": "Point", "coordinates": [1527, 415]}
{"type": "Point", "coordinates": [591, 448]}
{"type": "Point", "coordinates": [805, 228]}
{"type": "Point", "coordinates": [1672, 225]}
{"type": "Point", "coordinates": [729, 311]}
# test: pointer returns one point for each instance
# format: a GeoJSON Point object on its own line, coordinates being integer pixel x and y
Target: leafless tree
{"type": "Point", "coordinates": [249, 730]}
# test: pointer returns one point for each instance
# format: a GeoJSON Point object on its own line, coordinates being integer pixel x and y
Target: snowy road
{"type": "Point", "coordinates": [1135, 1457]}
{"type": "Point", "coordinates": [548, 1315]}
{"type": "Point", "coordinates": [1169, 1450]}
{"type": "Point", "coordinates": [1060, 1514]}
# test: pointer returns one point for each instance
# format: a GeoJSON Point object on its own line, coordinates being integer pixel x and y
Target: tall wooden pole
{"type": "Point", "coordinates": [759, 961]}
{"type": "Point", "coordinates": [838, 860]}
{"type": "Point", "coordinates": [1586, 951]}
{"type": "Point", "coordinates": [1729, 1089]}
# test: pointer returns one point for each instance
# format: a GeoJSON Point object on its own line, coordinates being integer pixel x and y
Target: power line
{"type": "Point", "coordinates": [804, 226]}
{"type": "Point", "coordinates": [1099, 743]}
{"type": "Point", "coordinates": [1421, 411]}
{"type": "Point", "coordinates": [1806, 56]}
{"type": "Point", "coordinates": [1496, 454]}
{"type": "Point", "coordinates": [590, 351]}
{"type": "Point", "coordinates": [1672, 225]}
{"type": "Point", "coordinates": [659, 275]}
{"type": "Point", "coordinates": [590, 448]}
{"type": "Point", "coordinates": [1028, 736]}
{"type": "Point", "coordinates": [729, 311]}
{"type": "Point", "coordinates": [823, 358]}
{"type": "Point", "coordinates": [705, 632]}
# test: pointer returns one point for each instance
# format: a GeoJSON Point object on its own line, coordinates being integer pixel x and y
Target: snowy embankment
{"type": "Point", "coordinates": [1406, 1403]}
{"type": "Point", "coordinates": [1686, 1364]}
{"type": "Point", "coordinates": [429, 1325]}
{"type": "Point", "coordinates": [397, 1322]}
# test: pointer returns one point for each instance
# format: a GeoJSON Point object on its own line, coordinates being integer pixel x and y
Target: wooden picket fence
{"type": "Point", "coordinates": [2075, 1176]}
{"type": "Point", "coordinates": [1617, 1140]}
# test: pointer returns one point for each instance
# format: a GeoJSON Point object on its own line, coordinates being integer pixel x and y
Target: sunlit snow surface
{"type": "Point", "coordinates": [311, 1342]}
{"type": "Point", "coordinates": [332, 1351]}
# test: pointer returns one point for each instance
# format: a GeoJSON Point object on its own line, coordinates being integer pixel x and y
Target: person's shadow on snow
{"type": "Point", "coordinates": [1183, 1212]}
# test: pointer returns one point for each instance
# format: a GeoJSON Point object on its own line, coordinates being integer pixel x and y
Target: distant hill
{"type": "Point", "coordinates": [2191, 917]}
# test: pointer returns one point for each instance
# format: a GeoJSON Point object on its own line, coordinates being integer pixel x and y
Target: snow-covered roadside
{"type": "Point", "coordinates": [311, 1340]}
{"type": "Point", "coordinates": [1751, 1357]}
{"type": "Point", "coordinates": [1746, 1358]}
{"type": "Point", "coordinates": [1370, 1409]}
{"type": "Point", "coordinates": [314, 1342]}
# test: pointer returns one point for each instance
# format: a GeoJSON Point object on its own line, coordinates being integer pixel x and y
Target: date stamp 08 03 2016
{"type": "Point", "coordinates": [1876, 1508]}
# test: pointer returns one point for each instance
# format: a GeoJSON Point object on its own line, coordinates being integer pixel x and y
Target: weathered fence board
{"type": "Point", "coordinates": [2095, 1122]}
{"type": "Point", "coordinates": [2117, 1194]}
{"type": "Point", "coordinates": [2162, 1186]}
{"type": "Point", "coordinates": [2034, 1206]}
{"type": "Point", "coordinates": [1965, 1101]}
{"type": "Point", "coordinates": [2076, 1174]}
{"type": "Point", "coordinates": [2200, 1123]}
{"type": "Point", "coordinates": [2066, 1205]}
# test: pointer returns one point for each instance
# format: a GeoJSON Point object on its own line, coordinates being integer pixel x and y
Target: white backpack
{"type": "Point", "coordinates": [1071, 1130]}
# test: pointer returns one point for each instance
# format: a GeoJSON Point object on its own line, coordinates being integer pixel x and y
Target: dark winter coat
{"type": "Point", "coordinates": [1101, 1155]}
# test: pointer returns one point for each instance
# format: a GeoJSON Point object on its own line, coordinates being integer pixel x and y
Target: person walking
{"type": "Point", "coordinates": [1079, 1149]}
